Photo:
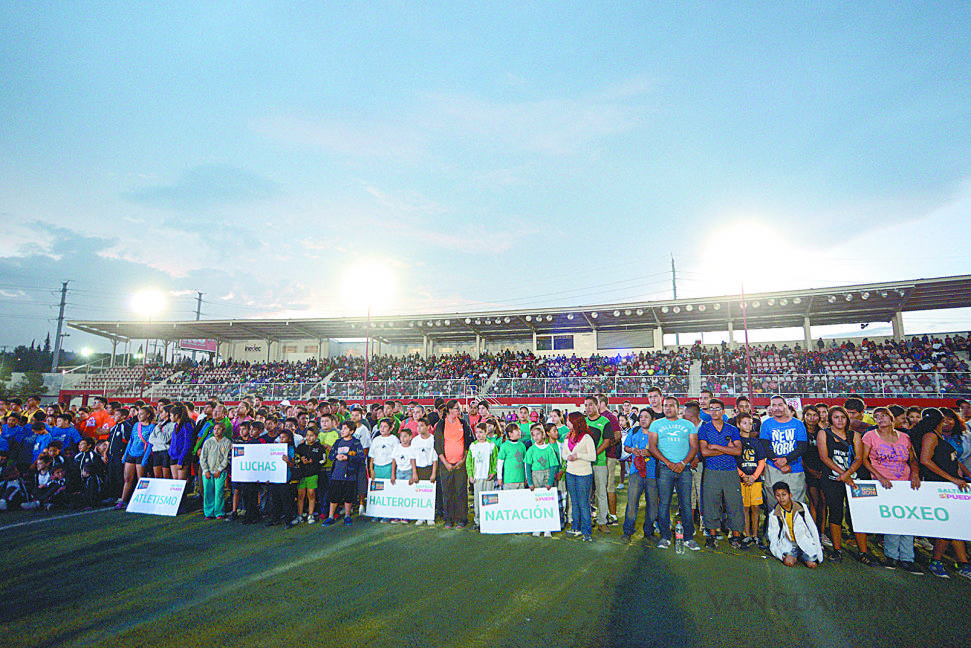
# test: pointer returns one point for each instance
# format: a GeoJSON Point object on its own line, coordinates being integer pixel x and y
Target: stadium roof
{"type": "Point", "coordinates": [856, 304]}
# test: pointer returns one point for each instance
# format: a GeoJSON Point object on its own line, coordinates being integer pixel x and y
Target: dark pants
{"type": "Point", "coordinates": [323, 482]}
{"type": "Point", "coordinates": [455, 494]}
{"type": "Point", "coordinates": [116, 477]}
{"type": "Point", "coordinates": [251, 501]}
{"type": "Point", "coordinates": [283, 502]}
{"type": "Point", "coordinates": [636, 487]}
{"type": "Point", "coordinates": [668, 482]}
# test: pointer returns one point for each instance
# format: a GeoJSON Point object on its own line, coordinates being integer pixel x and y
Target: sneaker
{"type": "Point", "coordinates": [925, 544]}
{"type": "Point", "coordinates": [120, 506]}
{"type": "Point", "coordinates": [535, 534]}
{"type": "Point", "coordinates": [611, 520]}
{"type": "Point", "coordinates": [573, 532]}
{"type": "Point", "coordinates": [835, 556]}
{"type": "Point", "coordinates": [911, 568]}
{"type": "Point", "coordinates": [603, 528]}
{"type": "Point", "coordinates": [826, 541]}
{"type": "Point", "coordinates": [936, 567]}
{"type": "Point", "coordinates": [626, 539]}
{"type": "Point", "coordinates": [448, 525]}
{"type": "Point", "coordinates": [419, 522]}
{"type": "Point", "coordinates": [747, 542]}
{"type": "Point", "coordinates": [547, 534]}
{"type": "Point", "coordinates": [663, 543]}
{"type": "Point", "coordinates": [292, 523]}
{"type": "Point", "coordinates": [587, 538]}
{"type": "Point", "coordinates": [710, 542]}
{"type": "Point", "coordinates": [348, 521]}
{"type": "Point", "coordinates": [889, 563]}
{"type": "Point", "coordinates": [867, 559]}
{"type": "Point", "coordinates": [430, 522]}
{"type": "Point", "coordinates": [691, 544]}
{"type": "Point", "coordinates": [312, 519]}
{"type": "Point", "coordinates": [328, 521]}
{"type": "Point", "coordinates": [964, 570]}
{"type": "Point", "coordinates": [736, 543]}
{"type": "Point", "coordinates": [460, 525]}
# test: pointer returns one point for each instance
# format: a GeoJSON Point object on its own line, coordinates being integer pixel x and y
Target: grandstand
{"type": "Point", "coordinates": [562, 353]}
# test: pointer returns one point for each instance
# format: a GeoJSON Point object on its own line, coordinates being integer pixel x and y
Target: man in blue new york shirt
{"type": "Point", "coordinates": [785, 440]}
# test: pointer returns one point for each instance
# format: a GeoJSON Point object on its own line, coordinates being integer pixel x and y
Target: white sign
{"type": "Point", "coordinates": [157, 496]}
{"type": "Point", "coordinates": [519, 511]}
{"type": "Point", "coordinates": [795, 403]}
{"type": "Point", "coordinates": [399, 500]}
{"type": "Point", "coordinates": [259, 462]}
{"type": "Point", "coordinates": [935, 510]}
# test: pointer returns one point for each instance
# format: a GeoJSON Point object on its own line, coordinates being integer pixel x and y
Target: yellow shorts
{"type": "Point", "coordinates": [751, 495]}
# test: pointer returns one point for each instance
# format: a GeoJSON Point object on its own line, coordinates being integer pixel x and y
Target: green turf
{"type": "Point", "coordinates": [116, 579]}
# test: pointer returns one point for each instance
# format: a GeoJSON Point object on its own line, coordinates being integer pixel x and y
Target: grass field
{"type": "Point", "coordinates": [109, 578]}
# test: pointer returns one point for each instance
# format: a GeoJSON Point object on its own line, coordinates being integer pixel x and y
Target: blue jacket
{"type": "Point", "coordinates": [346, 470]}
{"type": "Point", "coordinates": [69, 436]}
{"type": "Point", "coordinates": [181, 444]}
{"type": "Point", "coordinates": [138, 445]}
{"type": "Point", "coordinates": [37, 444]}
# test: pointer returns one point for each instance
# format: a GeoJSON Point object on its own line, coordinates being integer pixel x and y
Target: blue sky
{"type": "Point", "coordinates": [477, 155]}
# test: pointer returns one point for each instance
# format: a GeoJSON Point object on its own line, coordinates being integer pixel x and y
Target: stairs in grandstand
{"type": "Point", "coordinates": [489, 384]}
{"type": "Point", "coordinates": [694, 377]}
{"type": "Point", "coordinates": [319, 389]}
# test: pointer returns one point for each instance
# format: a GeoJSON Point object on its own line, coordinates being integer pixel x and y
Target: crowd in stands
{"type": "Point", "coordinates": [787, 468]}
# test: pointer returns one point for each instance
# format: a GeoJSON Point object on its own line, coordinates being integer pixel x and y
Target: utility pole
{"type": "Point", "coordinates": [60, 326]}
{"type": "Point", "coordinates": [674, 288]}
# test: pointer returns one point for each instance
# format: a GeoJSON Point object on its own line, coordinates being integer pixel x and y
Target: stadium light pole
{"type": "Point", "coordinates": [748, 354]}
{"type": "Point", "coordinates": [367, 353]}
{"type": "Point", "coordinates": [147, 302]}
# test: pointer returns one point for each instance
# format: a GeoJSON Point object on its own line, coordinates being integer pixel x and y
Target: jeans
{"type": "Point", "coordinates": [214, 495]}
{"type": "Point", "coordinates": [600, 484]}
{"type": "Point", "coordinates": [667, 482]}
{"type": "Point", "coordinates": [283, 504]}
{"type": "Point", "coordinates": [478, 486]}
{"type": "Point", "coordinates": [637, 486]}
{"type": "Point", "coordinates": [899, 547]}
{"type": "Point", "coordinates": [579, 487]}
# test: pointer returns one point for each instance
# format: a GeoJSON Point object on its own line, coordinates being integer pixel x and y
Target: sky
{"type": "Point", "coordinates": [279, 157]}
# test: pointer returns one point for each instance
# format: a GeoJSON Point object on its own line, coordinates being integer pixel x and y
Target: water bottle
{"type": "Point", "coordinates": [679, 538]}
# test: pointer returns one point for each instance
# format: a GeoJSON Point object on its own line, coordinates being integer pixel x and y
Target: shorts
{"type": "Point", "coordinates": [342, 491]}
{"type": "Point", "coordinates": [161, 459]}
{"type": "Point", "coordinates": [612, 474]}
{"type": "Point", "coordinates": [132, 459]}
{"type": "Point", "coordinates": [308, 483]}
{"type": "Point", "coordinates": [751, 495]}
{"type": "Point", "coordinates": [382, 472]}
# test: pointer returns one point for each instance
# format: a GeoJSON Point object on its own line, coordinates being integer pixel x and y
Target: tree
{"type": "Point", "coordinates": [32, 383]}
{"type": "Point", "coordinates": [47, 343]}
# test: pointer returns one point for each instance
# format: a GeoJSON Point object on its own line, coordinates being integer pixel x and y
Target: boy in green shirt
{"type": "Point", "coordinates": [510, 463]}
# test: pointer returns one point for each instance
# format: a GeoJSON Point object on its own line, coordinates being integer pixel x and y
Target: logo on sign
{"type": "Point", "coordinates": [250, 348]}
{"type": "Point", "coordinates": [239, 451]}
{"type": "Point", "coordinates": [377, 486]}
{"type": "Point", "coordinates": [490, 499]}
{"type": "Point", "coordinates": [143, 484]}
{"type": "Point", "coordinates": [864, 491]}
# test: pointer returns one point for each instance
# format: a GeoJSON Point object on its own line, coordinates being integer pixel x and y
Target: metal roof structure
{"type": "Point", "coordinates": [856, 304]}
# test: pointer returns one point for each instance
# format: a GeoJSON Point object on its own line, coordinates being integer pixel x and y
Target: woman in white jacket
{"type": "Point", "coordinates": [792, 534]}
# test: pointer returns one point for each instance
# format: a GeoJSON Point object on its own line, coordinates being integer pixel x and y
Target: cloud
{"type": "Point", "coordinates": [207, 186]}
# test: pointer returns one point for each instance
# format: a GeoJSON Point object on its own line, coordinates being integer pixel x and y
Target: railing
{"type": "Point", "coordinates": [904, 385]}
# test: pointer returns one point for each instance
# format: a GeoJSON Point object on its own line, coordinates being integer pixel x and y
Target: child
{"type": "Point", "coordinates": [33, 445]}
{"type": "Point", "coordinates": [510, 466]}
{"type": "Point", "coordinates": [50, 487]}
{"type": "Point", "coordinates": [493, 433]}
{"type": "Point", "coordinates": [244, 434]}
{"type": "Point", "coordinates": [13, 491]}
{"type": "Point", "coordinates": [213, 462]}
{"type": "Point", "coordinates": [379, 454]}
{"type": "Point", "coordinates": [426, 461]}
{"type": "Point", "coordinates": [403, 463]}
{"type": "Point", "coordinates": [791, 532]}
{"type": "Point", "coordinates": [480, 464]}
{"type": "Point", "coordinates": [327, 437]}
{"type": "Point", "coordinates": [310, 454]}
{"type": "Point", "coordinates": [541, 462]}
{"type": "Point", "coordinates": [282, 496]}
{"type": "Point", "coordinates": [556, 436]}
{"type": "Point", "coordinates": [160, 440]}
{"type": "Point", "coordinates": [346, 455]}
{"type": "Point", "coordinates": [89, 473]}
{"type": "Point", "coordinates": [751, 464]}
{"type": "Point", "coordinates": [65, 432]}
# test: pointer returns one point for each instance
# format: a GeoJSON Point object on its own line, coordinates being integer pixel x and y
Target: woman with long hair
{"type": "Point", "coordinates": [137, 453]}
{"type": "Point", "coordinates": [578, 454]}
{"type": "Point", "coordinates": [940, 462]}
{"type": "Point", "coordinates": [180, 446]}
{"type": "Point", "coordinates": [813, 468]}
{"type": "Point", "coordinates": [841, 451]}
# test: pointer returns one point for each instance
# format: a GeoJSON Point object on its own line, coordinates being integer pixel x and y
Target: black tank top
{"type": "Point", "coordinates": [946, 458]}
{"type": "Point", "coordinates": [840, 451]}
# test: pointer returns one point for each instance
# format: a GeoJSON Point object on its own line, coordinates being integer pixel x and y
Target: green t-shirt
{"type": "Point", "coordinates": [564, 431]}
{"type": "Point", "coordinates": [512, 454]}
{"type": "Point", "coordinates": [545, 458]}
{"type": "Point", "coordinates": [328, 439]}
{"type": "Point", "coordinates": [524, 430]}
{"type": "Point", "coordinates": [496, 440]}
{"type": "Point", "coordinates": [600, 426]}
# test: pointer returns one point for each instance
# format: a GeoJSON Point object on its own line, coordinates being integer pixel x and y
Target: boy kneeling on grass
{"type": "Point", "coordinates": [792, 534]}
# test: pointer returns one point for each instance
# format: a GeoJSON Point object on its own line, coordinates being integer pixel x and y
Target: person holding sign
{"type": "Point", "coordinates": [541, 462]}
{"type": "Point", "coordinates": [578, 453]}
{"type": "Point", "coordinates": [213, 461]}
{"type": "Point", "coordinates": [346, 455]}
{"type": "Point", "coordinates": [889, 456]}
{"type": "Point", "coordinates": [136, 454]}
{"type": "Point", "coordinates": [510, 464]}
{"type": "Point", "coordinates": [940, 461]}
{"type": "Point", "coordinates": [481, 466]}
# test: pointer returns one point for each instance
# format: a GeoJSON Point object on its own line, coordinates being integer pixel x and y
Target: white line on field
{"type": "Point", "coordinates": [51, 519]}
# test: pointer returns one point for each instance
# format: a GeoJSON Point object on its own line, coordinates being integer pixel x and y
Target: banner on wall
{"type": "Point", "coordinates": [198, 345]}
{"type": "Point", "coordinates": [259, 462]}
{"type": "Point", "coordinates": [935, 510]}
{"type": "Point", "coordinates": [519, 511]}
{"type": "Point", "coordinates": [157, 496]}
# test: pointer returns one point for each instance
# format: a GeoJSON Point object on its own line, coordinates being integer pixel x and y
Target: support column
{"type": "Point", "coordinates": [268, 344]}
{"type": "Point", "coordinates": [424, 347]}
{"type": "Point", "coordinates": [534, 342]}
{"type": "Point", "coordinates": [478, 345]}
{"type": "Point", "coordinates": [807, 331]}
{"type": "Point", "coordinates": [731, 335]}
{"type": "Point", "coordinates": [659, 338]}
{"type": "Point", "coordinates": [114, 347]}
{"type": "Point", "coordinates": [898, 326]}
